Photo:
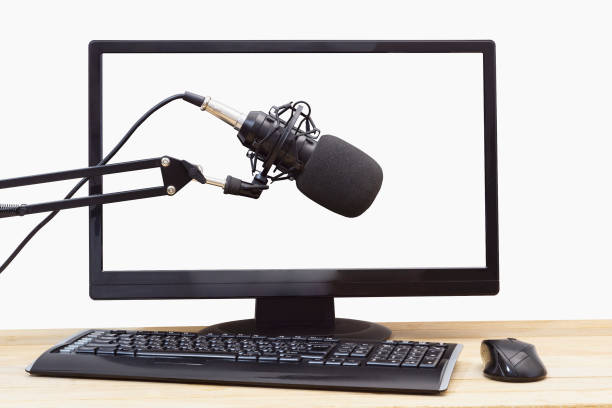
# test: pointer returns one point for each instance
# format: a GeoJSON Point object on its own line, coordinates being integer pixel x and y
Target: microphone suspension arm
{"type": "Point", "coordinates": [175, 174]}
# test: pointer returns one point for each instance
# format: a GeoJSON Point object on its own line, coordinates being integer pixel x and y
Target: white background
{"type": "Point", "coordinates": [419, 115]}
{"type": "Point", "coordinates": [554, 90]}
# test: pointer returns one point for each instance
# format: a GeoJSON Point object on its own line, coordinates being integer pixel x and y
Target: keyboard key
{"type": "Point", "coordinates": [318, 361]}
{"type": "Point", "coordinates": [106, 350]}
{"type": "Point", "coordinates": [247, 357]}
{"type": "Point", "coordinates": [147, 353]}
{"type": "Point", "coordinates": [310, 355]}
{"type": "Point", "coordinates": [384, 362]}
{"type": "Point", "coordinates": [289, 358]}
{"type": "Point", "coordinates": [304, 338]}
{"type": "Point", "coordinates": [362, 350]}
{"type": "Point", "coordinates": [100, 344]}
{"type": "Point", "coordinates": [334, 361]}
{"type": "Point", "coordinates": [126, 351]}
{"type": "Point", "coordinates": [322, 348]}
{"type": "Point", "coordinates": [86, 349]}
{"type": "Point", "coordinates": [411, 362]}
{"type": "Point", "coordinates": [272, 358]}
{"type": "Point", "coordinates": [429, 362]}
{"type": "Point", "coordinates": [351, 363]}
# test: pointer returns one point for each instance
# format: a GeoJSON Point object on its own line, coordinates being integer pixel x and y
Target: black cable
{"type": "Point", "coordinates": [84, 180]}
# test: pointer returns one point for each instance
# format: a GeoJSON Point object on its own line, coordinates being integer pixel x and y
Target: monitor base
{"type": "Point", "coordinates": [301, 316]}
{"type": "Point", "coordinates": [343, 329]}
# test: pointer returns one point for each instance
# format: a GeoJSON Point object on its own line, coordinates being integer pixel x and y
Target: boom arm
{"type": "Point", "coordinates": [175, 174]}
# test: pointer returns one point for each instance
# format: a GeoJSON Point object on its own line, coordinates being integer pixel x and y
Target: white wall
{"type": "Point", "coordinates": [554, 86]}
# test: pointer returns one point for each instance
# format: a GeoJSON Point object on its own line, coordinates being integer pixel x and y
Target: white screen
{"type": "Point", "coordinates": [420, 116]}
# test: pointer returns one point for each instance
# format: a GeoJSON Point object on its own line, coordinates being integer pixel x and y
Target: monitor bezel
{"type": "Point", "coordinates": [181, 284]}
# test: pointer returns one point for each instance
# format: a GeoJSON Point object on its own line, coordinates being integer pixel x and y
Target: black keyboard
{"type": "Point", "coordinates": [242, 359]}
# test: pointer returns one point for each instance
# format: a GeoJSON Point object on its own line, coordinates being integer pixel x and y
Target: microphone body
{"type": "Point", "coordinates": [260, 134]}
{"type": "Point", "coordinates": [328, 170]}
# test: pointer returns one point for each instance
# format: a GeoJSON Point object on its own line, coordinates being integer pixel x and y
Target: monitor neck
{"type": "Point", "coordinates": [301, 316]}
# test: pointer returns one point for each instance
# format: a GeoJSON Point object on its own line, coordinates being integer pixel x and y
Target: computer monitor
{"type": "Point", "coordinates": [424, 110]}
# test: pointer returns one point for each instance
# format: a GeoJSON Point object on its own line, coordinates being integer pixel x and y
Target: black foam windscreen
{"type": "Point", "coordinates": [340, 177]}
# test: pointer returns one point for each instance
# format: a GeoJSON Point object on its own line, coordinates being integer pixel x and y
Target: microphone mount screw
{"type": "Point", "coordinates": [165, 162]}
{"type": "Point", "coordinates": [171, 190]}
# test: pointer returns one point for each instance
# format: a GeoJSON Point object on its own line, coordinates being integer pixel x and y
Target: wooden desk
{"type": "Point", "coordinates": [577, 354]}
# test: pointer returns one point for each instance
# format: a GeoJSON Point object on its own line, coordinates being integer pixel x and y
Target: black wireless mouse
{"type": "Point", "coordinates": [511, 360]}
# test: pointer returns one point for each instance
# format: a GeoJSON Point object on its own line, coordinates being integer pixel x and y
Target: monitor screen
{"type": "Point", "coordinates": [426, 116]}
{"type": "Point", "coordinates": [418, 115]}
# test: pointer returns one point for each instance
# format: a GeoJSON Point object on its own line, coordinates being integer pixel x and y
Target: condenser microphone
{"type": "Point", "coordinates": [328, 170]}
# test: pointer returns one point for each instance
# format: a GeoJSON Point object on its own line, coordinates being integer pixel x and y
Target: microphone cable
{"type": "Point", "coordinates": [84, 180]}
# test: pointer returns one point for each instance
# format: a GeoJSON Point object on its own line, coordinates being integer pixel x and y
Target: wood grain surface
{"type": "Point", "coordinates": [577, 354]}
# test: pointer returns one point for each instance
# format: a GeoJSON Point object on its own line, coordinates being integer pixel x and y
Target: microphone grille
{"type": "Point", "coordinates": [340, 177]}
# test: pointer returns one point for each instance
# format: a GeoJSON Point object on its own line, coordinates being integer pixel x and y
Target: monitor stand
{"type": "Point", "coordinates": [301, 316]}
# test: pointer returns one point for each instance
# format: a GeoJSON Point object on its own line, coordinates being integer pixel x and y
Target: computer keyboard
{"type": "Point", "coordinates": [242, 359]}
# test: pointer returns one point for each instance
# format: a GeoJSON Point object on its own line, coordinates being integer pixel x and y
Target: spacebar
{"type": "Point", "coordinates": [185, 354]}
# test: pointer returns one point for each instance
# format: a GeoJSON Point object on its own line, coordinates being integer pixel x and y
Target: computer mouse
{"type": "Point", "coordinates": [511, 360]}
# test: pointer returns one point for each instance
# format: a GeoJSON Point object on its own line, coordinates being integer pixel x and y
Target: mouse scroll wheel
{"type": "Point", "coordinates": [485, 353]}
